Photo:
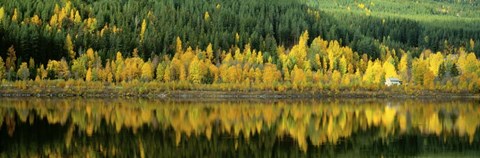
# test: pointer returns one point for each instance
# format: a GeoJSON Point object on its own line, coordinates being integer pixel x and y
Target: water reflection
{"type": "Point", "coordinates": [147, 128]}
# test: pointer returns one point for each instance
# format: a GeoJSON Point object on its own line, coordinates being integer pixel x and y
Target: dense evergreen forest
{"type": "Point", "coordinates": [39, 29]}
{"type": "Point", "coordinates": [287, 44]}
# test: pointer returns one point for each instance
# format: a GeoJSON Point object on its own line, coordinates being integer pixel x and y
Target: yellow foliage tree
{"type": "Point", "coordinates": [88, 77]}
{"type": "Point", "coordinates": [379, 72]}
{"type": "Point", "coordinates": [182, 73]}
{"type": "Point", "coordinates": [23, 72]}
{"type": "Point", "coordinates": [120, 66]}
{"type": "Point", "coordinates": [468, 64]}
{"type": "Point", "coordinates": [233, 74]}
{"type": "Point", "coordinates": [69, 47]}
{"type": "Point", "coordinates": [286, 74]}
{"type": "Point", "coordinates": [403, 67]}
{"type": "Point", "coordinates": [90, 24]}
{"type": "Point", "coordinates": [209, 52]}
{"type": "Point", "coordinates": [206, 16]}
{"type": "Point", "coordinates": [336, 80]}
{"type": "Point", "coordinates": [428, 79]}
{"type": "Point", "coordinates": [343, 65]}
{"type": "Point", "coordinates": [79, 67]}
{"type": "Point", "coordinates": [31, 63]}
{"type": "Point", "coordinates": [258, 75]}
{"type": "Point", "coordinates": [270, 74]}
{"type": "Point", "coordinates": [259, 58]}
{"type": "Point", "coordinates": [63, 69]}
{"type": "Point", "coordinates": [374, 73]}
{"type": "Point", "coordinates": [298, 78]}
{"type": "Point", "coordinates": [108, 72]}
{"type": "Point", "coordinates": [215, 71]}
{"type": "Point", "coordinates": [178, 47]}
{"type": "Point", "coordinates": [435, 60]}
{"type": "Point", "coordinates": [195, 71]}
{"type": "Point", "coordinates": [36, 20]}
{"type": "Point", "coordinates": [167, 76]}
{"type": "Point", "coordinates": [15, 15]}
{"type": "Point", "coordinates": [42, 72]}
{"type": "Point", "coordinates": [78, 18]}
{"type": "Point", "coordinates": [142, 30]}
{"type": "Point", "coordinates": [160, 71]}
{"type": "Point", "coordinates": [389, 69]}
{"type": "Point", "coordinates": [2, 14]}
{"type": "Point", "coordinates": [147, 71]}
{"type": "Point", "coordinates": [419, 69]}
{"type": "Point", "coordinates": [299, 51]}
{"type": "Point", "coordinates": [53, 20]}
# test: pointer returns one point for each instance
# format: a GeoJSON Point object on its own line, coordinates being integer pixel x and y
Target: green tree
{"type": "Point", "coordinates": [11, 58]}
{"type": "Point", "coordinates": [23, 72]}
{"type": "Point", "coordinates": [3, 70]}
{"type": "Point", "coordinates": [160, 71]}
{"type": "Point", "coordinates": [79, 68]}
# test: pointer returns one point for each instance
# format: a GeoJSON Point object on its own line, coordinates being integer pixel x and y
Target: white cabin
{"type": "Point", "coordinates": [392, 81]}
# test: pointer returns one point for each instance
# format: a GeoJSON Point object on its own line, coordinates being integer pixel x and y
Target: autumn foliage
{"type": "Point", "coordinates": [320, 65]}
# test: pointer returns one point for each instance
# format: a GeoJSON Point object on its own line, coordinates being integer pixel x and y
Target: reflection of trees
{"type": "Point", "coordinates": [147, 126]}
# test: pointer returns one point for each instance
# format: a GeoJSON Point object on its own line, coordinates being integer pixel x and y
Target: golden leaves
{"type": "Point", "coordinates": [317, 122]}
{"type": "Point", "coordinates": [434, 125]}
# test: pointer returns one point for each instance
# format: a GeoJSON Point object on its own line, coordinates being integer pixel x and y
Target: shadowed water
{"type": "Point", "coordinates": [31, 127]}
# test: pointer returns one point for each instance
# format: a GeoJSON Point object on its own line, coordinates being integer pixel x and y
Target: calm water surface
{"type": "Point", "coordinates": [42, 127]}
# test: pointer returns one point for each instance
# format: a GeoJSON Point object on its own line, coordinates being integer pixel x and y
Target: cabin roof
{"type": "Point", "coordinates": [392, 79]}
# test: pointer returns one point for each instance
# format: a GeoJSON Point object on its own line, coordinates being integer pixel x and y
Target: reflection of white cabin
{"type": "Point", "coordinates": [393, 81]}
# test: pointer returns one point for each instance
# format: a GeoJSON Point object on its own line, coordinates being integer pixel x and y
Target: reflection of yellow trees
{"type": "Point", "coordinates": [315, 122]}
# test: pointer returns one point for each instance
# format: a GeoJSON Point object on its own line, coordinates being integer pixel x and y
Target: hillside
{"type": "Point", "coordinates": [152, 26]}
{"type": "Point", "coordinates": [250, 45]}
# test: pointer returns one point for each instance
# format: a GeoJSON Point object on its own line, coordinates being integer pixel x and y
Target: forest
{"type": "Point", "coordinates": [298, 45]}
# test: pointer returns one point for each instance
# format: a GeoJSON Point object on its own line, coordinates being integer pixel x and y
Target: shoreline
{"type": "Point", "coordinates": [219, 94]}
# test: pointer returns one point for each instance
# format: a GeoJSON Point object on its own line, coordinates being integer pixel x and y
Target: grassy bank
{"type": "Point", "coordinates": [75, 88]}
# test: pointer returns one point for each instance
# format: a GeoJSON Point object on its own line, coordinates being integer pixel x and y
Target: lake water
{"type": "Point", "coordinates": [44, 127]}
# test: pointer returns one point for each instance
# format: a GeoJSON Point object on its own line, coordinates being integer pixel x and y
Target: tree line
{"type": "Point", "coordinates": [320, 65]}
